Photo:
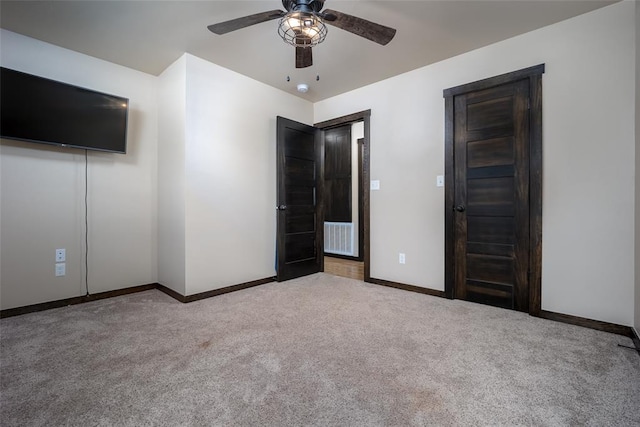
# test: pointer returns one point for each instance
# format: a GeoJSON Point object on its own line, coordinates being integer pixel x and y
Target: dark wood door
{"type": "Point", "coordinates": [299, 207]}
{"type": "Point", "coordinates": [491, 205]}
{"type": "Point", "coordinates": [337, 174]}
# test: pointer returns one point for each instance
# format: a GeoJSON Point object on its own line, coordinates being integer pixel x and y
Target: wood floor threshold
{"type": "Point", "coordinates": [345, 257]}
{"type": "Point", "coordinates": [405, 287]}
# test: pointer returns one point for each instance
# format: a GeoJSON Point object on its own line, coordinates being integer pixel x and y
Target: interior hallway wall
{"type": "Point", "coordinates": [230, 174]}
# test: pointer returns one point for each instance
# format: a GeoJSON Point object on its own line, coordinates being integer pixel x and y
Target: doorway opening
{"type": "Point", "coordinates": [342, 225]}
{"type": "Point", "coordinates": [346, 195]}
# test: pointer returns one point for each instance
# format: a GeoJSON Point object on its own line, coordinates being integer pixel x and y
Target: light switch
{"type": "Point", "coordinates": [61, 269]}
{"type": "Point", "coordinates": [440, 181]}
{"type": "Point", "coordinates": [375, 184]}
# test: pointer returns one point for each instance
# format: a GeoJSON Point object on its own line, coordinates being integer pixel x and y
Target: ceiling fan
{"type": "Point", "coordinates": [303, 26]}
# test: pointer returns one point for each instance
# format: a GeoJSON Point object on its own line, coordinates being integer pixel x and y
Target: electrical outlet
{"type": "Point", "coordinates": [401, 258]}
{"type": "Point", "coordinates": [61, 255]}
{"type": "Point", "coordinates": [61, 269]}
{"type": "Point", "coordinates": [375, 184]}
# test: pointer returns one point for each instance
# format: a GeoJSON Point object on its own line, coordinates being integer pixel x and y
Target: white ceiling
{"type": "Point", "coordinates": [149, 35]}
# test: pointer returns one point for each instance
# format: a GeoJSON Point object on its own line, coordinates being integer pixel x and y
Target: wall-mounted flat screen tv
{"type": "Point", "coordinates": [40, 110]}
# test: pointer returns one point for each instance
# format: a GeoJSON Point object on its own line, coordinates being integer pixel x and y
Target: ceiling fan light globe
{"type": "Point", "coordinates": [292, 22]}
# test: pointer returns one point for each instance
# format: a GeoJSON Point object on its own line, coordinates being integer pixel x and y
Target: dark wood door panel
{"type": "Point", "coordinates": [491, 229]}
{"type": "Point", "coordinates": [490, 268]}
{"type": "Point", "coordinates": [498, 295]}
{"type": "Point", "coordinates": [300, 220]}
{"type": "Point", "coordinates": [489, 133]}
{"type": "Point", "coordinates": [300, 196]}
{"type": "Point", "coordinates": [338, 152]}
{"type": "Point", "coordinates": [490, 114]}
{"type": "Point", "coordinates": [491, 197]}
{"type": "Point", "coordinates": [491, 172]}
{"type": "Point", "coordinates": [299, 234]}
{"type": "Point", "coordinates": [490, 152]}
{"type": "Point", "coordinates": [494, 93]}
{"type": "Point", "coordinates": [338, 200]}
{"type": "Point", "coordinates": [296, 269]}
{"type": "Point", "coordinates": [497, 249]}
{"type": "Point", "coordinates": [300, 171]}
{"type": "Point", "coordinates": [337, 175]}
{"type": "Point", "coordinates": [302, 247]}
{"type": "Point", "coordinates": [304, 147]}
{"type": "Point", "coordinates": [499, 290]}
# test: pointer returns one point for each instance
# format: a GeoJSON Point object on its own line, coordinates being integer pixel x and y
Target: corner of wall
{"type": "Point", "coordinates": [171, 176]}
{"type": "Point", "coordinates": [637, 175]}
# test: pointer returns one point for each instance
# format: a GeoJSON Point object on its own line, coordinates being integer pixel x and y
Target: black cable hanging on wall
{"type": "Point", "coordinates": [86, 221]}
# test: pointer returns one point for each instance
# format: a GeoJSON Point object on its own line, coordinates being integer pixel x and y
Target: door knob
{"type": "Point", "coordinates": [460, 208]}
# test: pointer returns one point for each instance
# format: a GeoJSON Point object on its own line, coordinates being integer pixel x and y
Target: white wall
{"type": "Point", "coordinates": [357, 132]}
{"type": "Point", "coordinates": [588, 137]}
{"type": "Point", "coordinates": [637, 209]}
{"type": "Point", "coordinates": [172, 102]}
{"type": "Point", "coordinates": [42, 189]}
{"type": "Point", "coordinates": [230, 180]}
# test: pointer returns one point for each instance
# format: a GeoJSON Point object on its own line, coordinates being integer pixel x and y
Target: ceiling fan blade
{"type": "Point", "coordinates": [304, 57]}
{"type": "Point", "coordinates": [245, 21]}
{"type": "Point", "coordinates": [358, 26]}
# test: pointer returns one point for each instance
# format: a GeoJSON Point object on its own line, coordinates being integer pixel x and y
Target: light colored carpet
{"type": "Point", "coordinates": [320, 350]}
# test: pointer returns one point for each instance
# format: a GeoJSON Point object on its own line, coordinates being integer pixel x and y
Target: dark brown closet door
{"type": "Point", "coordinates": [491, 218]}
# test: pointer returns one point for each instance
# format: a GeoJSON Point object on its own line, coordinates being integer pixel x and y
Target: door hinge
{"type": "Point", "coordinates": [528, 103]}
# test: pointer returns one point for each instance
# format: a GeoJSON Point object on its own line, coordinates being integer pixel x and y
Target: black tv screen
{"type": "Point", "coordinates": [40, 110]}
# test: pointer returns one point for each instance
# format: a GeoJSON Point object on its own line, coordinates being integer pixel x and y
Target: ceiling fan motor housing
{"type": "Point", "coordinates": [309, 6]}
